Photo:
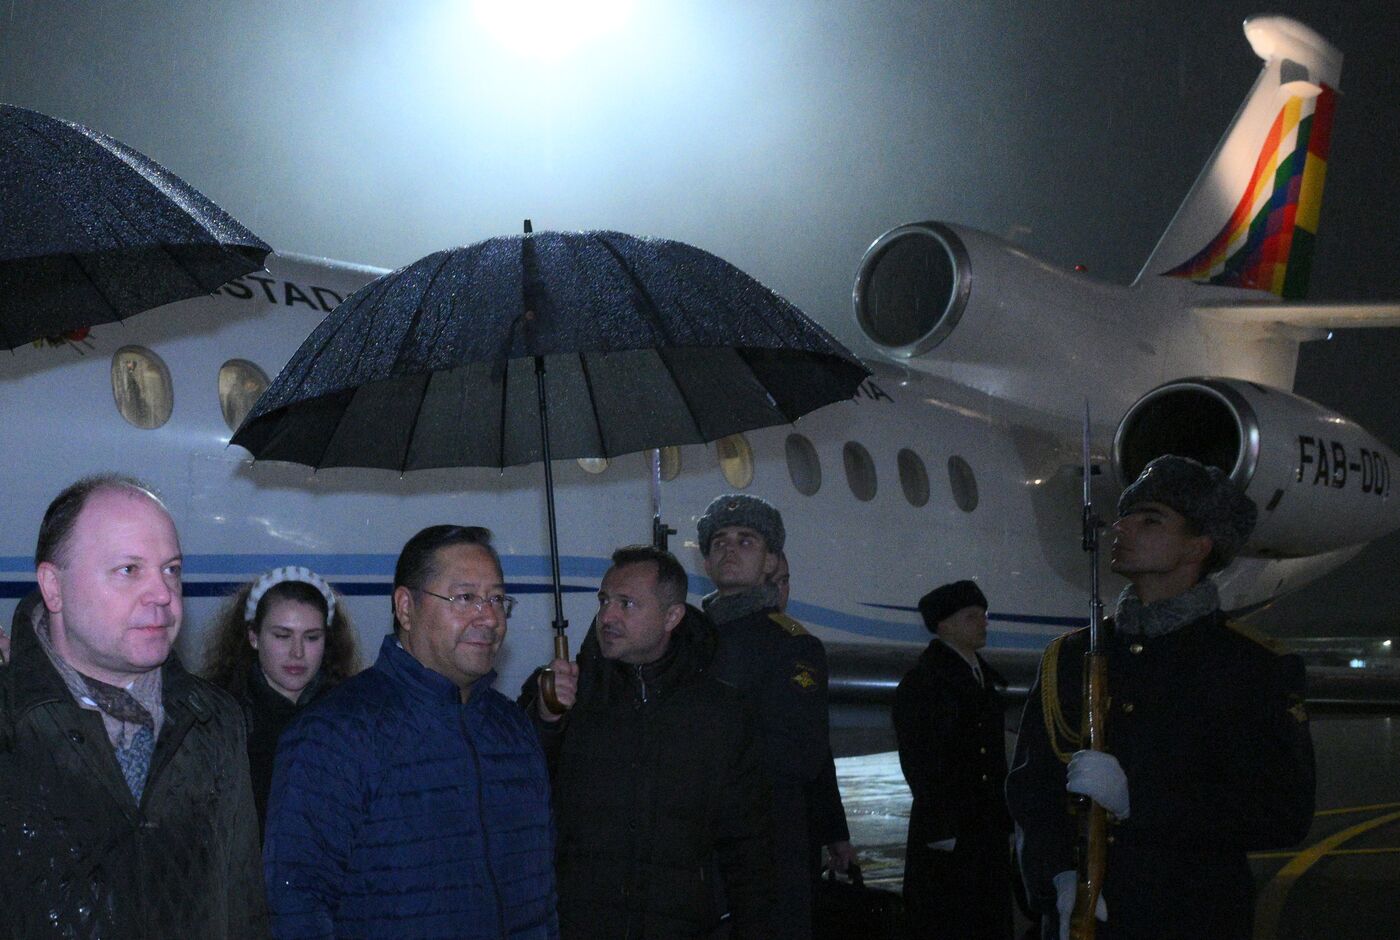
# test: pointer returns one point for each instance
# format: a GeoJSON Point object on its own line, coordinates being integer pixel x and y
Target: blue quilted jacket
{"type": "Point", "coordinates": [398, 811]}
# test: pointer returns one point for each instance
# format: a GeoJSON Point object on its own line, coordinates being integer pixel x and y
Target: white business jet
{"type": "Point", "coordinates": [959, 458]}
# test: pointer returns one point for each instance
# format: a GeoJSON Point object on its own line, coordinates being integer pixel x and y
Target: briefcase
{"type": "Point", "coordinates": [843, 910]}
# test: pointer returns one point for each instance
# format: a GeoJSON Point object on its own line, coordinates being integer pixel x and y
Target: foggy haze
{"type": "Point", "coordinates": [782, 136]}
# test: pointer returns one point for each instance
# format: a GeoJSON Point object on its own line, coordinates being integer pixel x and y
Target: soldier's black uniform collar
{"type": "Point", "coordinates": [722, 610]}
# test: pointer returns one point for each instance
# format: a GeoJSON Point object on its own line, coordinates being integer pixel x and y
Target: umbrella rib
{"type": "Point", "coordinates": [119, 209]}
{"type": "Point", "coordinates": [339, 421]}
{"type": "Point", "coordinates": [54, 142]}
{"type": "Point", "coordinates": [681, 391]}
{"type": "Point", "coordinates": [658, 323]}
{"type": "Point", "coordinates": [419, 307]}
{"type": "Point", "coordinates": [742, 354]}
{"type": "Point", "coordinates": [314, 356]}
{"type": "Point", "coordinates": [413, 424]}
{"type": "Point", "coordinates": [593, 402]}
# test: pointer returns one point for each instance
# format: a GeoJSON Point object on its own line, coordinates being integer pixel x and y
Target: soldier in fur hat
{"type": "Point", "coordinates": [1208, 754]}
{"type": "Point", "coordinates": [782, 668]}
{"type": "Point", "coordinates": [949, 719]}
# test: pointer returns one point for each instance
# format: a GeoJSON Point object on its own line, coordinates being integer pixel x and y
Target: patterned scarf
{"type": "Point", "coordinates": [131, 716]}
{"type": "Point", "coordinates": [1165, 616]}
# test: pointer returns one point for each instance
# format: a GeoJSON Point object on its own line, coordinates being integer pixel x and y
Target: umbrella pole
{"type": "Point", "coordinates": [561, 639]}
{"type": "Point", "coordinates": [660, 531]}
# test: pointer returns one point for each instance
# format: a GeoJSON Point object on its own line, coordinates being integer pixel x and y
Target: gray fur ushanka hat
{"type": "Point", "coordinates": [741, 509]}
{"type": "Point", "coordinates": [1204, 496]}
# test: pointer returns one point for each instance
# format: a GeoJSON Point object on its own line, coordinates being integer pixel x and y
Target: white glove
{"type": "Point", "coordinates": [1099, 776]}
{"type": "Point", "coordinates": [943, 845]}
{"type": "Point", "coordinates": [1066, 887]}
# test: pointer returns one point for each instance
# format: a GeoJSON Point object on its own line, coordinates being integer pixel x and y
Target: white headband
{"type": "Point", "coordinates": [288, 573]}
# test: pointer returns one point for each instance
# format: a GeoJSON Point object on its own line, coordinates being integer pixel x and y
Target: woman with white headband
{"type": "Point", "coordinates": [278, 644]}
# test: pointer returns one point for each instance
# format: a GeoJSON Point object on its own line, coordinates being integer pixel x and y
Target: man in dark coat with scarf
{"type": "Point", "coordinates": [123, 779]}
{"type": "Point", "coordinates": [949, 720]}
{"type": "Point", "coordinates": [782, 668]}
{"type": "Point", "coordinates": [1208, 753]}
{"type": "Point", "coordinates": [659, 785]}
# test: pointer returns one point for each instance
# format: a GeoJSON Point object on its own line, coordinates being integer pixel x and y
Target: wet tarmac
{"type": "Point", "coordinates": [1343, 882]}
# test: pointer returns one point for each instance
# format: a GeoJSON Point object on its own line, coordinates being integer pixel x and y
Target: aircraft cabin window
{"type": "Point", "coordinates": [804, 466]}
{"type": "Point", "coordinates": [240, 384]}
{"type": "Point", "coordinates": [964, 483]}
{"type": "Point", "coordinates": [670, 463]}
{"type": "Point", "coordinates": [594, 465]}
{"type": "Point", "coordinates": [735, 460]}
{"type": "Point", "coordinates": [860, 471]}
{"type": "Point", "coordinates": [141, 387]}
{"type": "Point", "coordinates": [913, 478]}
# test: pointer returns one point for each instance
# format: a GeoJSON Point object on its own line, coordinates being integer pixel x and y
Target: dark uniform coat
{"type": "Point", "coordinates": [1208, 724]}
{"type": "Point", "coordinates": [659, 784]}
{"type": "Point", "coordinates": [79, 857]}
{"type": "Point", "coordinates": [782, 668]}
{"type": "Point", "coordinates": [952, 747]}
{"type": "Point", "coordinates": [826, 814]}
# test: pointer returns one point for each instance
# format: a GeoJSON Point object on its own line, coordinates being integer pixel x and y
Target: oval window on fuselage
{"type": "Point", "coordinates": [735, 460]}
{"type": "Point", "coordinates": [240, 384]}
{"type": "Point", "coordinates": [804, 466]}
{"type": "Point", "coordinates": [860, 471]}
{"type": "Point", "coordinates": [141, 387]}
{"type": "Point", "coordinates": [913, 477]}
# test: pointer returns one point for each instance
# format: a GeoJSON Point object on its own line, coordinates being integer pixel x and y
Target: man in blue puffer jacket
{"type": "Point", "coordinates": [413, 800]}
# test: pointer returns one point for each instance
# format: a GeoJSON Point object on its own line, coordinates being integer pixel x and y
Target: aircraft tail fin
{"type": "Point", "coordinates": [1251, 218]}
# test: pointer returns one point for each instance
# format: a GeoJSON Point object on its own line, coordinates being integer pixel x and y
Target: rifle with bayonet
{"type": "Point", "coordinates": [1091, 849]}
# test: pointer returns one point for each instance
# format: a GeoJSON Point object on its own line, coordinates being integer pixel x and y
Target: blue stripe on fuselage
{"type": "Point", "coordinates": [338, 566]}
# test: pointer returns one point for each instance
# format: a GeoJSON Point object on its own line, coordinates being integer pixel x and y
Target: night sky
{"type": "Point", "coordinates": [783, 136]}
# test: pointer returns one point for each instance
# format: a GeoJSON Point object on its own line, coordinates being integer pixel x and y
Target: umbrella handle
{"type": "Point", "coordinates": [551, 701]}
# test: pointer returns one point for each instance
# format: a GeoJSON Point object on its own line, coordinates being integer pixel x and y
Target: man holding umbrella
{"type": "Point", "coordinates": [660, 792]}
{"type": "Point", "coordinates": [770, 656]}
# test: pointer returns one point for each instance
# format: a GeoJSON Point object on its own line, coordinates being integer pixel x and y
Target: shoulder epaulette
{"type": "Point", "coordinates": [790, 627]}
{"type": "Point", "coordinates": [1277, 647]}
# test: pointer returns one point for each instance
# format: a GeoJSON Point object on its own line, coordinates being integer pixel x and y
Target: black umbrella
{"type": "Point", "coordinates": [460, 358]}
{"type": "Point", "coordinates": [92, 231]}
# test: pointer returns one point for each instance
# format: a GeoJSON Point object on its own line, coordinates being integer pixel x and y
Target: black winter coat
{"type": "Point", "coordinates": [80, 858]}
{"type": "Point", "coordinates": [658, 784]}
{"type": "Point", "coordinates": [1208, 724]}
{"type": "Point", "coordinates": [952, 748]}
{"type": "Point", "coordinates": [267, 713]}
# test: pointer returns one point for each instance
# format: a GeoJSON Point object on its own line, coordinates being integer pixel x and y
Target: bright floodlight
{"type": "Point", "coordinates": [549, 29]}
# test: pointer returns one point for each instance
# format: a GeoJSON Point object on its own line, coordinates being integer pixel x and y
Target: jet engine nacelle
{"type": "Point", "coordinates": [1320, 480]}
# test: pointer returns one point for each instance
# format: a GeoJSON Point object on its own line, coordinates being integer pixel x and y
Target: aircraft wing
{"type": "Point", "coordinates": [1345, 675]}
{"type": "Point", "coordinates": [1302, 315]}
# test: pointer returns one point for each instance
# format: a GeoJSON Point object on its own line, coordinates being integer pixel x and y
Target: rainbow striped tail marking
{"type": "Point", "coordinates": [1255, 204]}
{"type": "Point", "coordinates": [1267, 244]}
